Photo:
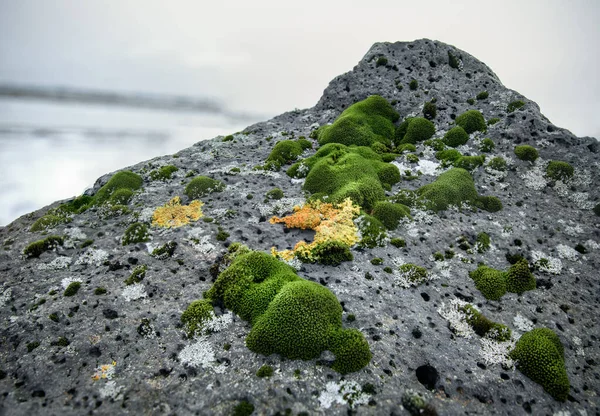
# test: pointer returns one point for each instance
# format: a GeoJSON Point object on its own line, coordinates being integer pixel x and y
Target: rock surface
{"type": "Point", "coordinates": [125, 351]}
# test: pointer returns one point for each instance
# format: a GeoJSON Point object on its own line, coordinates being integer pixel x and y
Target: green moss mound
{"type": "Point", "coordinates": [330, 253]}
{"type": "Point", "coordinates": [121, 180]}
{"type": "Point", "coordinates": [514, 105]}
{"type": "Point", "coordinates": [36, 248]}
{"type": "Point", "coordinates": [471, 121]}
{"type": "Point", "coordinates": [372, 232]}
{"type": "Point", "coordinates": [48, 222]}
{"type": "Point", "coordinates": [390, 214]}
{"type": "Point", "coordinates": [274, 194]}
{"type": "Point", "coordinates": [456, 136]}
{"type": "Point", "coordinates": [341, 172]}
{"type": "Point", "coordinates": [429, 110]}
{"type": "Point", "coordinates": [490, 282]}
{"type": "Point", "coordinates": [195, 316]}
{"type": "Point", "coordinates": [414, 130]}
{"type": "Point", "coordinates": [487, 145]}
{"type": "Point", "coordinates": [469, 162]}
{"type": "Point", "coordinates": [497, 163]}
{"type": "Point", "coordinates": [290, 316]}
{"type": "Point", "coordinates": [526, 152]}
{"type": "Point", "coordinates": [201, 186]}
{"type": "Point", "coordinates": [121, 197]}
{"type": "Point", "coordinates": [286, 151]}
{"type": "Point", "coordinates": [363, 123]}
{"type": "Point", "coordinates": [72, 289]}
{"type": "Point", "coordinates": [448, 156]}
{"type": "Point", "coordinates": [452, 187]}
{"type": "Point", "coordinates": [136, 233]}
{"type": "Point", "coordinates": [540, 356]}
{"type": "Point", "coordinates": [519, 279]}
{"type": "Point", "coordinates": [559, 171]}
{"type": "Point", "coordinates": [164, 173]}
{"type": "Point", "coordinates": [485, 327]}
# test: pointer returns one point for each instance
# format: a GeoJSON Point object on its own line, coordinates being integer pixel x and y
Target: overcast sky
{"type": "Point", "coordinates": [274, 56]}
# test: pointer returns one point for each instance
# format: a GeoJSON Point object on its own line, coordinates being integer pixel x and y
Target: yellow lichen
{"type": "Point", "coordinates": [173, 214]}
{"type": "Point", "coordinates": [331, 222]}
{"type": "Point", "coordinates": [105, 371]}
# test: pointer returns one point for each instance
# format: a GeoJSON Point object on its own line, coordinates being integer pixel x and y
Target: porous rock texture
{"type": "Point", "coordinates": [126, 352]}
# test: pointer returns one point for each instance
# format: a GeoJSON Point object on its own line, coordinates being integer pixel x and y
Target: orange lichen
{"type": "Point", "coordinates": [331, 222]}
{"type": "Point", "coordinates": [105, 371]}
{"type": "Point", "coordinates": [173, 214]}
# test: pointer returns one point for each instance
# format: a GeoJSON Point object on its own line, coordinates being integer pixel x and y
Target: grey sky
{"type": "Point", "coordinates": [273, 56]}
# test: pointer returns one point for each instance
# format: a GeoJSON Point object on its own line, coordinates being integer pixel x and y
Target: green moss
{"type": "Point", "coordinates": [456, 136]}
{"type": "Point", "coordinates": [164, 173]}
{"type": "Point", "coordinates": [414, 130]}
{"type": "Point", "coordinates": [515, 105]}
{"type": "Point", "coordinates": [381, 61]}
{"type": "Point", "coordinates": [471, 121]}
{"type": "Point", "coordinates": [489, 203]}
{"type": "Point", "coordinates": [36, 248]}
{"type": "Point", "coordinates": [53, 317]}
{"type": "Point", "coordinates": [243, 409]}
{"type": "Point", "coordinates": [559, 170]}
{"type": "Point", "coordinates": [487, 145]}
{"type": "Point", "coordinates": [407, 147]}
{"type": "Point", "coordinates": [290, 316]}
{"type": "Point", "coordinates": [469, 163]}
{"type": "Point", "coordinates": [286, 151]}
{"type": "Point", "coordinates": [265, 371]}
{"type": "Point", "coordinates": [377, 261]}
{"type": "Point", "coordinates": [72, 289]}
{"type": "Point", "coordinates": [436, 144]}
{"type": "Point", "coordinates": [165, 251]}
{"type": "Point", "coordinates": [60, 342]}
{"type": "Point", "coordinates": [136, 233]}
{"type": "Point", "coordinates": [493, 121]}
{"type": "Point", "coordinates": [519, 279]}
{"type": "Point", "coordinates": [121, 197]}
{"type": "Point", "coordinates": [497, 163]}
{"type": "Point", "coordinates": [490, 282]}
{"type": "Point", "coordinates": [483, 242]}
{"type": "Point", "coordinates": [195, 317]}
{"type": "Point", "coordinates": [540, 356]}
{"type": "Point", "coordinates": [121, 180]}
{"type": "Point", "coordinates": [471, 101]}
{"type": "Point", "coordinates": [483, 95]}
{"type": "Point", "coordinates": [137, 275]}
{"type": "Point", "coordinates": [448, 156]}
{"type": "Point", "coordinates": [398, 242]}
{"type": "Point", "coordinates": [228, 138]}
{"type": "Point", "coordinates": [274, 194]}
{"type": "Point", "coordinates": [331, 253]}
{"type": "Point", "coordinates": [372, 232]}
{"type": "Point", "coordinates": [413, 273]}
{"type": "Point", "coordinates": [99, 291]}
{"type": "Point", "coordinates": [413, 85]}
{"type": "Point", "coordinates": [222, 235]}
{"type": "Point", "coordinates": [390, 214]}
{"type": "Point", "coordinates": [379, 148]}
{"type": "Point", "coordinates": [363, 123]}
{"type": "Point", "coordinates": [526, 152]}
{"type": "Point", "coordinates": [201, 186]}
{"type": "Point", "coordinates": [32, 346]}
{"type": "Point", "coordinates": [453, 60]}
{"type": "Point", "coordinates": [48, 221]}
{"type": "Point", "coordinates": [483, 326]}
{"type": "Point", "coordinates": [452, 187]}
{"type": "Point", "coordinates": [429, 110]}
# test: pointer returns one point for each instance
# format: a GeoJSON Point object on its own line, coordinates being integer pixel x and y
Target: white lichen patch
{"type": "Point", "coordinates": [428, 167]}
{"type": "Point", "coordinates": [545, 263]}
{"type": "Point", "coordinates": [58, 263]}
{"type": "Point", "coordinates": [280, 207]}
{"type": "Point", "coordinates": [218, 323]}
{"type": "Point", "coordinates": [68, 280]}
{"type": "Point", "coordinates": [201, 354]}
{"type": "Point", "coordinates": [566, 252]}
{"type": "Point", "coordinates": [75, 233]}
{"type": "Point", "coordinates": [146, 215]}
{"type": "Point", "coordinates": [456, 318]}
{"type": "Point", "coordinates": [134, 292]}
{"type": "Point", "coordinates": [495, 352]}
{"type": "Point", "coordinates": [106, 371]}
{"type": "Point", "coordinates": [93, 257]}
{"type": "Point", "coordinates": [346, 392]}
{"type": "Point", "coordinates": [534, 178]}
{"type": "Point", "coordinates": [203, 245]}
{"type": "Point", "coordinates": [522, 323]}
{"type": "Point", "coordinates": [110, 390]}
{"type": "Point", "coordinates": [591, 244]}
{"type": "Point", "coordinates": [5, 297]}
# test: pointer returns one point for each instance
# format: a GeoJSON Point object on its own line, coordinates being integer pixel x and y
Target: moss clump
{"type": "Point", "coordinates": [489, 203]}
{"type": "Point", "coordinates": [519, 279]}
{"type": "Point", "coordinates": [487, 145]}
{"type": "Point", "coordinates": [482, 242]}
{"type": "Point", "coordinates": [330, 253]}
{"type": "Point", "coordinates": [341, 172]}
{"type": "Point", "coordinates": [265, 371]}
{"type": "Point", "coordinates": [414, 130]}
{"type": "Point", "coordinates": [228, 138]}
{"type": "Point", "coordinates": [413, 85]}
{"type": "Point", "coordinates": [243, 409]}
{"type": "Point", "coordinates": [381, 61]}
{"type": "Point", "coordinates": [49, 221]}
{"type": "Point", "coordinates": [429, 110]}
{"type": "Point", "coordinates": [448, 156]}
{"type": "Point", "coordinates": [137, 275]}
{"type": "Point", "coordinates": [483, 326]}
{"type": "Point", "coordinates": [526, 152]}
{"type": "Point", "coordinates": [483, 95]}
{"type": "Point", "coordinates": [290, 316]}
{"type": "Point", "coordinates": [121, 180]}
{"type": "Point", "coordinates": [286, 151]}
{"type": "Point", "coordinates": [497, 163]}
{"type": "Point", "coordinates": [36, 248]}
{"type": "Point", "coordinates": [372, 232]}
{"type": "Point", "coordinates": [164, 251]}
{"type": "Point", "coordinates": [222, 235]}
{"type": "Point", "coordinates": [99, 291]}
{"type": "Point", "coordinates": [452, 187]}
{"type": "Point", "coordinates": [201, 186]}
{"type": "Point", "coordinates": [540, 356]}
{"type": "Point", "coordinates": [363, 123]}
{"type": "Point", "coordinates": [559, 170]}
{"type": "Point", "coordinates": [136, 233]}
{"type": "Point", "coordinates": [195, 316]}
{"type": "Point", "coordinates": [456, 136]}
{"type": "Point", "coordinates": [377, 261]}
{"type": "Point", "coordinates": [407, 147]}
{"type": "Point", "coordinates": [453, 60]}
{"type": "Point", "coordinates": [164, 173]}
{"type": "Point", "coordinates": [469, 162]}
{"type": "Point", "coordinates": [413, 273]}
{"type": "Point", "coordinates": [493, 121]}
{"type": "Point", "coordinates": [398, 242]}
{"type": "Point", "coordinates": [390, 214]}
{"type": "Point", "coordinates": [32, 346]}
{"type": "Point", "coordinates": [471, 121]}
{"type": "Point", "coordinates": [72, 289]}
{"type": "Point", "coordinates": [515, 105]}
{"type": "Point", "coordinates": [471, 101]}
{"type": "Point", "coordinates": [490, 282]}
{"type": "Point", "coordinates": [120, 197]}
{"type": "Point", "coordinates": [274, 194]}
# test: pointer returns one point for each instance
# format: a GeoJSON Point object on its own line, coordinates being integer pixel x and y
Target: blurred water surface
{"type": "Point", "coordinates": [51, 151]}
